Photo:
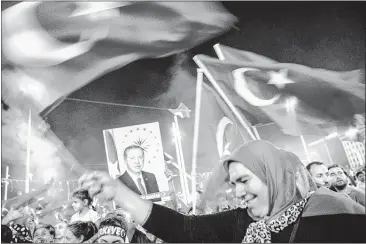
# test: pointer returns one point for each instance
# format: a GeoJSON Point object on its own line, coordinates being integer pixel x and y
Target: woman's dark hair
{"type": "Point", "coordinates": [6, 234]}
{"type": "Point", "coordinates": [114, 220]}
{"type": "Point", "coordinates": [85, 229]}
{"type": "Point", "coordinates": [50, 229]}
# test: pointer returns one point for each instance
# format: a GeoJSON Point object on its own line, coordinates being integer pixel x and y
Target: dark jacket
{"type": "Point", "coordinates": [150, 183]}
{"type": "Point", "coordinates": [231, 226]}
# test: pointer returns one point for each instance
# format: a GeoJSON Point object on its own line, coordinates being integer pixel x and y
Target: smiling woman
{"type": "Point", "coordinates": [250, 189]}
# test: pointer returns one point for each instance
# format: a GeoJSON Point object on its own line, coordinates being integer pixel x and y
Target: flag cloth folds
{"type": "Point", "coordinates": [218, 127]}
{"type": "Point", "coordinates": [112, 154]}
{"type": "Point", "coordinates": [58, 47]}
{"type": "Point", "coordinates": [262, 87]}
{"type": "Point", "coordinates": [218, 123]}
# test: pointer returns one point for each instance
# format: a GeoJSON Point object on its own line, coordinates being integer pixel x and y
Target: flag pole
{"type": "Point", "coordinates": [256, 132]}
{"type": "Point", "coordinates": [181, 171]}
{"type": "Point", "coordinates": [305, 147]}
{"type": "Point", "coordinates": [291, 109]}
{"type": "Point", "coordinates": [214, 83]}
{"type": "Point", "coordinates": [195, 138]}
{"type": "Point", "coordinates": [68, 190]}
{"type": "Point", "coordinates": [183, 165]}
{"type": "Point", "coordinates": [6, 183]}
{"type": "Point", "coordinates": [328, 152]}
{"type": "Point", "coordinates": [27, 162]}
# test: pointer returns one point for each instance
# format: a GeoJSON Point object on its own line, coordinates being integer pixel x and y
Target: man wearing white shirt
{"type": "Point", "coordinates": [134, 177]}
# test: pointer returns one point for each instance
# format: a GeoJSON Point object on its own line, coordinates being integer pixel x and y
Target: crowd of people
{"type": "Point", "coordinates": [337, 179]}
{"type": "Point", "coordinates": [279, 200]}
{"type": "Point", "coordinates": [86, 225]}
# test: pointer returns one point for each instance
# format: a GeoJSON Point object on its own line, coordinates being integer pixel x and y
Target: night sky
{"type": "Point", "coordinates": [327, 35]}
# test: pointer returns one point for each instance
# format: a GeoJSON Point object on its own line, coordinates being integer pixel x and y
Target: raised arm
{"type": "Point", "coordinates": [172, 226]}
{"type": "Point", "coordinates": [20, 201]}
{"type": "Point", "coordinates": [165, 223]}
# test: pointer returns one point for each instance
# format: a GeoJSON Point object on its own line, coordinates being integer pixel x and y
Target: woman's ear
{"type": "Point", "coordinates": [85, 202]}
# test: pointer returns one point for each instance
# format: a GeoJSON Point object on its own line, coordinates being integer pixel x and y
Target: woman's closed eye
{"type": "Point", "coordinates": [240, 180]}
{"type": "Point", "coordinates": [243, 180]}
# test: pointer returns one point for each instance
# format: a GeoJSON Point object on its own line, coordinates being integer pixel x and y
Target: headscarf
{"type": "Point", "coordinates": [21, 234]}
{"type": "Point", "coordinates": [284, 174]}
{"type": "Point", "coordinates": [289, 185]}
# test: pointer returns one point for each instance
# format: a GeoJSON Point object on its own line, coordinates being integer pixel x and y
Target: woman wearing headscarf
{"type": "Point", "coordinates": [283, 204]}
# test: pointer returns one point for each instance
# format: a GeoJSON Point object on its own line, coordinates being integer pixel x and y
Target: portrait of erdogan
{"type": "Point", "coordinates": [134, 177]}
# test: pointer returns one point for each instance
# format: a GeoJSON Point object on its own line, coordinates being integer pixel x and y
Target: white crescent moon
{"type": "Point", "coordinates": [241, 87]}
{"type": "Point", "coordinates": [220, 133]}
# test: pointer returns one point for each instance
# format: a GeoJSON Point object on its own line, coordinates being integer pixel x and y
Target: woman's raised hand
{"type": "Point", "coordinates": [99, 184]}
{"type": "Point", "coordinates": [102, 186]}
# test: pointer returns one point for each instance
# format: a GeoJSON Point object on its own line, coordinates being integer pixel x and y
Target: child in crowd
{"type": "Point", "coordinates": [82, 205]}
{"type": "Point", "coordinates": [60, 229]}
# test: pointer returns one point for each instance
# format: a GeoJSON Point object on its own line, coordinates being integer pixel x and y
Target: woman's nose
{"type": "Point", "coordinates": [239, 191]}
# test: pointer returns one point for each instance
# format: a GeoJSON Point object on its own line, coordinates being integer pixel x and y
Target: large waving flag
{"type": "Point", "coordinates": [262, 87]}
{"type": "Point", "coordinates": [58, 47]}
{"type": "Point", "coordinates": [218, 123]}
{"type": "Point", "coordinates": [218, 127]}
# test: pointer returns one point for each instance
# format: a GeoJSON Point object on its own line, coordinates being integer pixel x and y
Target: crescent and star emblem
{"type": "Point", "coordinates": [279, 79]}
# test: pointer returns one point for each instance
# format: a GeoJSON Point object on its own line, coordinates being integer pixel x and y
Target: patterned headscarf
{"type": "Point", "coordinates": [288, 182]}
{"type": "Point", "coordinates": [21, 234]}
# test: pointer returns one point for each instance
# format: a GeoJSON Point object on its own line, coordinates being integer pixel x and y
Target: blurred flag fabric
{"type": "Point", "coordinates": [111, 153]}
{"type": "Point", "coordinates": [219, 125]}
{"type": "Point", "coordinates": [262, 87]}
{"type": "Point", "coordinates": [55, 48]}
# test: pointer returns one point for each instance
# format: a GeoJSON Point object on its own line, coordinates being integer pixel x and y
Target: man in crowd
{"type": "Point", "coordinates": [319, 173]}
{"type": "Point", "coordinates": [135, 178]}
{"type": "Point", "coordinates": [339, 183]}
{"type": "Point", "coordinates": [360, 176]}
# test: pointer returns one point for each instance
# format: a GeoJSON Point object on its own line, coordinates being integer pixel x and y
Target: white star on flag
{"type": "Point", "coordinates": [279, 79]}
{"type": "Point", "coordinates": [182, 111]}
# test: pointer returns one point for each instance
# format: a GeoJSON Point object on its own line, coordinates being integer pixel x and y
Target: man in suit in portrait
{"type": "Point", "coordinates": [134, 177]}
